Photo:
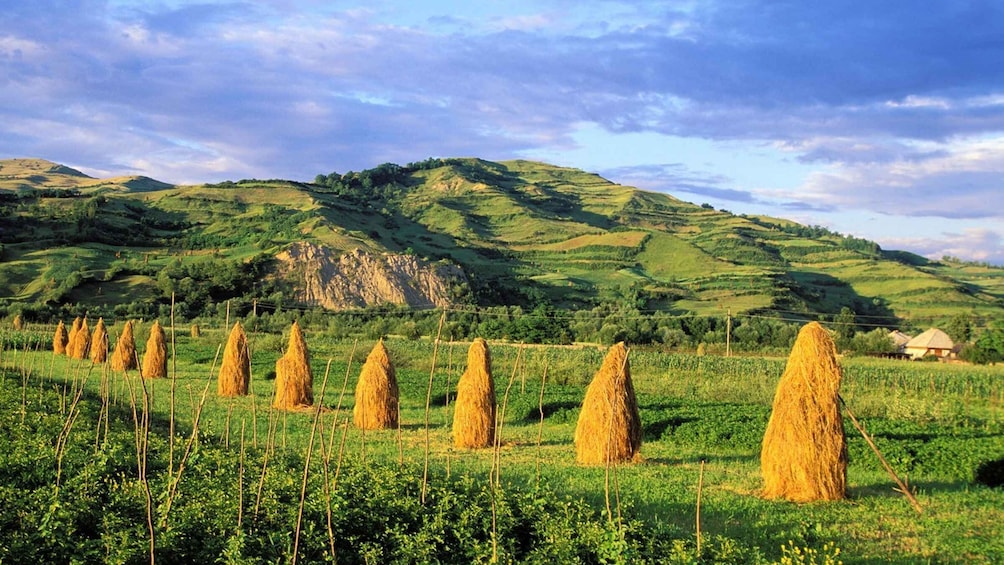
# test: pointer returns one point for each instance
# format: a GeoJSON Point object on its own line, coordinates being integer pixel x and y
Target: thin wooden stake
{"type": "Point", "coordinates": [903, 487]}
{"type": "Point", "coordinates": [540, 428]}
{"type": "Point", "coordinates": [306, 464]}
{"type": "Point", "coordinates": [428, 401]}
{"type": "Point", "coordinates": [700, 488]}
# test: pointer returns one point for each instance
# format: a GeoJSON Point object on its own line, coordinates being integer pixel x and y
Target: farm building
{"type": "Point", "coordinates": [899, 340]}
{"type": "Point", "coordinates": [932, 342]}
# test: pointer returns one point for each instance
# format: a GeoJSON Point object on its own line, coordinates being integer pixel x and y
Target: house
{"type": "Point", "coordinates": [932, 342]}
{"type": "Point", "coordinates": [899, 340]}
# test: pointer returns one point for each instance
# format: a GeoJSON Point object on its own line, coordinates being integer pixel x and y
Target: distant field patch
{"type": "Point", "coordinates": [611, 239]}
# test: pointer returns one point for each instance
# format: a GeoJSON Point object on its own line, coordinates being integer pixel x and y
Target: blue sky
{"type": "Point", "coordinates": [882, 120]}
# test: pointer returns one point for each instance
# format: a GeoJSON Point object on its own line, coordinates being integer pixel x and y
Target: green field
{"type": "Point", "coordinates": [703, 418]}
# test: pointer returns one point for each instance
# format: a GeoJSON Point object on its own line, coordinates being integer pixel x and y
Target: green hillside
{"type": "Point", "coordinates": [525, 233]}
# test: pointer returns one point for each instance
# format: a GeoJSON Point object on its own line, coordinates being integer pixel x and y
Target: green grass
{"type": "Point", "coordinates": [934, 422]}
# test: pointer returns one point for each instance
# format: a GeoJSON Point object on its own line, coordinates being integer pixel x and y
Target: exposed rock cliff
{"type": "Point", "coordinates": [322, 277]}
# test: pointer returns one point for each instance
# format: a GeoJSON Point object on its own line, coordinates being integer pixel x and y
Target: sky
{"type": "Point", "coordinates": [882, 120]}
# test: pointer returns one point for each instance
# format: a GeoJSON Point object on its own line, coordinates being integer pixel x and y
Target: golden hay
{"type": "Point", "coordinates": [804, 452]}
{"type": "Point", "coordinates": [294, 384]}
{"type": "Point", "coordinates": [609, 427]}
{"type": "Point", "coordinates": [60, 339]}
{"type": "Point", "coordinates": [196, 332]}
{"type": "Point", "coordinates": [155, 356]}
{"type": "Point", "coordinates": [73, 333]}
{"type": "Point", "coordinates": [124, 356]}
{"type": "Point", "coordinates": [80, 342]}
{"type": "Point", "coordinates": [474, 409]}
{"type": "Point", "coordinates": [18, 322]}
{"type": "Point", "coordinates": [235, 372]}
{"type": "Point", "coordinates": [376, 392]}
{"type": "Point", "coordinates": [99, 342]}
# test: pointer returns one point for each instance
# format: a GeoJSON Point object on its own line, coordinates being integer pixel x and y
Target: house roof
{"type": "Point", "coordinates": [899, 338]}
{"type": "Point", "coordinates": [931, 339]}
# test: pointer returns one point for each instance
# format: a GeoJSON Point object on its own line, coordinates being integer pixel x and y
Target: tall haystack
{"type": "Point", "coordinates": [474, 409]}
{"type": "Point", "coordinates": [294, 384]}
{"type": "Point", "coordinates": [235, 372]}
{"type": "Point", "coordinates": [124, 356]}
{"type": "Point", "coordinates": [80, 345]}
{"type": "Point", "coordinates": [155, 356]}
{"type": "Point", "coordinates": [60, 339]}
{"type": "Point", "coordinates": [77, 322]}
{"type": "Point", "coordinates": [609, 427]}
{"type": "Point", "coordinates": [18, 322]}
{"type": "Point", "coordinates": [804, 452]}
{"type": "Point", "coordinates": [99, 342]}
{"type": "Point", "coordinates": [376, 392]}
{"type": "Point", "coordinates": [196, 332]}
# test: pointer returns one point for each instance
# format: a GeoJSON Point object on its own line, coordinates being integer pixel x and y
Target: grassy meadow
{"type": "Point", "coordinates": [86, 452]}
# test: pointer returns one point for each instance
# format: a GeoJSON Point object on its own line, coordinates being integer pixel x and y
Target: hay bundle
{"type": "Point", "coordinates": [474, 409]}
{"type": "Point", "coordinates": [376, 392]}
{"type": "Point", "coordinates": [18, 322]}
{"type": "Point", "coordinates": [73, 333]}
{"type": "Point", "coordinates": [124, 356]}
{"type": "Point", "coordinates": [804, 452]}
{"type": "Point", "coordinates": [235, 372]}
{"type": "Point", "coordinates": [155, 356]}
{"type": "Point", "coordinates": [294, 384]}
{"type": "Point", "coordinates": [99, 342]}
{"type": "Point", "coordinates": [609, 427]}
{"type": "Point", "coordinates": [196, 332]}
{"type": "Point", "coordinates": [60, 339]}
{"type": "Point", "coordinates": [80, 342]}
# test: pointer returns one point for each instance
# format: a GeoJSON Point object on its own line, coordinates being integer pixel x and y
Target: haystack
{"type": "Point", "coordinates": [73, 333]}
{"type": "Point", "coordinates": [99, 342]}
{"type": "Point", "coordinates": [18, 322]}
{"type": "Point", "coordinates": [474, 409]}
{"type": "Point", "coordinates": [804, 452]}
{"type": "Point", "coordinates": [196, 332]}
{"type": "Point", "coordinates": [294, 384]}
{"type": "Point", "coordinates": [609, 427]}
{"type": "Point", "coordinates": [235, 372]}
{"type": "Point", "coordinates": [80, 342]}
{"type": "Point", "coordinates": [124, 356]}
{"type": "Point", "coordinates": [376, 392]}
{"type": "Point", "coordinates": [60, 339]}
{"type": "Point", "coordinates": [155, 356]}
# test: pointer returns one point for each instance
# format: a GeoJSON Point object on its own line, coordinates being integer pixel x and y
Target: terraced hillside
{"type": "Point", "coordinates": [523, 233]}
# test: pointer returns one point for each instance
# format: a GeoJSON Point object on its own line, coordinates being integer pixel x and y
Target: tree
{"type": "Point", "coordinates": [844, 326]}
{"type": "Point", "coordinates": [989, 347]}
{"type": "Point", "coordinates": [960, 328]}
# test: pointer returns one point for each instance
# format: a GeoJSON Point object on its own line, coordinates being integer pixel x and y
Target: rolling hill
{"type": "Point", "coordinates": [522, 232]}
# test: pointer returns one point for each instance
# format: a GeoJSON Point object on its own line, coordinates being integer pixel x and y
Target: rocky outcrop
{"type": "Point", "coordinates": [322, 277]}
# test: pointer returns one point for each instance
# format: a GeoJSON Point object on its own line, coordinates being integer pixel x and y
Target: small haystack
{"type": "Point", "coordinates": [804, 452]}
{"type": "Point", "coordinates": [376, 392]}
{"type": "Point", "coordinates": [609, 427]}
{"type": "Point", "coordinates": [80, 342]}
{"type": "Point", "coordinates": [235, 372]}
{"type": "Point", "coordinates": [99, 342]}
{"type": "Point", "coordinates": [474, 409]}
{"type": "Point", "coordinates": [124, 356]}
{"type": "Point", "coordinates": [196, 332]}
{"type": "Point", "coordinates": [294, 384]}
{"type": "Point", "coordinates": [60, 339]}
{"type": "Point", "coordinates": [18, 322]}
{"type": "Point", "coordinates": [155, 356]}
